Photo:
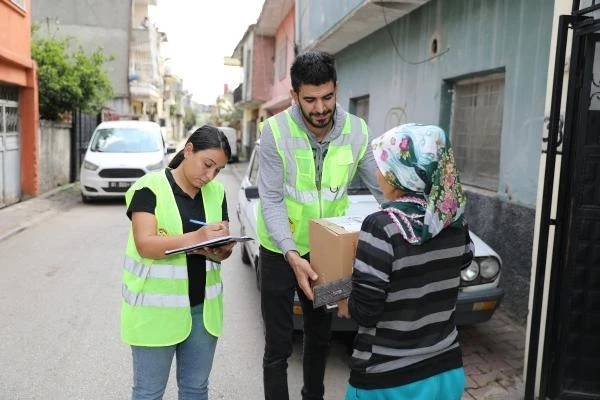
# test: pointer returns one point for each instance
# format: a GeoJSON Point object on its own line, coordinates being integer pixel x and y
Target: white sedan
{"type": "Point", "coordinates": [479, 292]}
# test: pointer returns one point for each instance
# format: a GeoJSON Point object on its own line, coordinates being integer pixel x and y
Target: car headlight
{"type": "Point", "coordinates": [489, 267]}
{"type": "Point", "coordinates": [90, 166]}
{"type": "Point", "coordinates": [153, 167]}
{"type": "Point", "coordinates": [470, 273]}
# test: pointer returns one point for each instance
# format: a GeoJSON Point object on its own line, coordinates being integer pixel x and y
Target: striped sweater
{"type": "Point", "coordinates": [404, 299]}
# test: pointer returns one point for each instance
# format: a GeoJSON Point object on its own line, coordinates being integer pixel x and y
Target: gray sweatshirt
{"type": "Point", "coordinates": [270, 178]}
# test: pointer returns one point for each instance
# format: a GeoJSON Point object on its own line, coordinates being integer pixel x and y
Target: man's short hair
{"type": "Point", "coordinates": [313, 68]}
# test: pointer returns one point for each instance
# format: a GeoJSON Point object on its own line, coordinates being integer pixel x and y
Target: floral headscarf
{"type": "Point", "coordinates": [419, 160]}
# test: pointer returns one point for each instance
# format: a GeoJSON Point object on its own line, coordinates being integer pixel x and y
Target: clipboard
{"type": "Point", "coordinates": [209, 243]}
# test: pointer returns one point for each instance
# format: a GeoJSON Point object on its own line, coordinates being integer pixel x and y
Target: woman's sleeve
{"type": "Point", "coordinates": [371, 273]}
{"type": "Point", "coordinates": [143, 200]}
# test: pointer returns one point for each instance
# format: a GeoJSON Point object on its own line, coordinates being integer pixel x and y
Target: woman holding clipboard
{"type": "Point", "coordinates": [173, 305]}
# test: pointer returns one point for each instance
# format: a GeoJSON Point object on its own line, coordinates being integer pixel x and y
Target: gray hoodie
{"type": "Point", "coordinates": [270, 179]}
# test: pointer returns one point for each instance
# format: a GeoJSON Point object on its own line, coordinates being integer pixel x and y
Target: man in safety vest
{"type": "Point", "coordinates": [309, 154]}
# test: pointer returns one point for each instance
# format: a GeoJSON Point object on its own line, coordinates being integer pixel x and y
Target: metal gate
{"type": "Point", "coordinates": [10, 155]}
{"type": "Point", "coordinates": [82, 128]}
{"type": "Point", "coordinates": [570, 358]}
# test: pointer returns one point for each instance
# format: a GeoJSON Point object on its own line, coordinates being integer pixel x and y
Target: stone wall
{"type": "Point", "coordinates": [55, 154]}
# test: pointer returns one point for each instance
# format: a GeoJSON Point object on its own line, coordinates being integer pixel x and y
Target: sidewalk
{"type": "Point", "coordinates": [18, 217]}
{"type": "Point", "coordinates": [493, 356]}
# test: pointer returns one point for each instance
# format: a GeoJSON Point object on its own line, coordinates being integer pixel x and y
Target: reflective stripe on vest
{"type": "Point", "coordinates": [155, 308]}
{"type": "Point", "coordinates": [302, 198]}
{"type": "Point", "coordinates": [155, 300]}
{"type": "Point", "coordinates": [164, 271]}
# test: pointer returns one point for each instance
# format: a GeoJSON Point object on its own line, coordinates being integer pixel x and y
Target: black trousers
{"type": "Point", "coordinates": [278, 284]}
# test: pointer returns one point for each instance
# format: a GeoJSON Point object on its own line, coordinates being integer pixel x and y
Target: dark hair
{"type": "Point", "coordinates": [313, 68]}
{"type": "Point", "coordinates": [204, 138]}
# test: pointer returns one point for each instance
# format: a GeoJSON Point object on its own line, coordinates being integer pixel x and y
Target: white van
{"type": "Point", "coordinates": [119, 153]}
{"type": "Point", "coordinates": [231, 135]}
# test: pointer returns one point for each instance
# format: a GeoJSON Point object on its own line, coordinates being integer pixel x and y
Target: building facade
{"type": "Point", "coordinates": [93, 24]}
{"type": "Point", "coordinates": [19, 111]}
{"type": "Point", "coordinates": [266, 52]}
{"type": "Point", "coordinates": [479, 70]}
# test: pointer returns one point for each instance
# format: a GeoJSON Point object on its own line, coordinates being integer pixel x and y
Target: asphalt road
{"type": "Point", "coordinates": [59, 301]}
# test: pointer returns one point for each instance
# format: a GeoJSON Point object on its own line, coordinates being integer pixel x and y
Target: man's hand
{"type": "Point", "coordinates": [343, 311]}
{"type": "Point", "coordinates": [303, 271]}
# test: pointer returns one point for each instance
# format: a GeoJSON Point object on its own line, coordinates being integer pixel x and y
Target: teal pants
{"type": "Point", "coordinates": [448, 385]}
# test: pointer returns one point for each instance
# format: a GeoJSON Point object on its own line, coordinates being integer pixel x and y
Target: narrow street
{"type": "Point", "coordinates": [60, 325]}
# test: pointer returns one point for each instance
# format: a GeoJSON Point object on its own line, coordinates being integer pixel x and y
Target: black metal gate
{"type": "Point", "coordinates": [570, 367]}
{"type": "Point", "coordinates": [82, 128]}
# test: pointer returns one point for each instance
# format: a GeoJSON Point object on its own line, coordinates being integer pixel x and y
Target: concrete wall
{"type": "Point", "coordinates": [94, 23]}
{"type": "Point", "coordinates": [474, 36]}
{"type": "Point", "coordinates": [55, 154]}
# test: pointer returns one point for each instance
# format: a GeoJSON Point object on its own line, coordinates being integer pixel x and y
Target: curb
{"type": "Point", "coordinates": [30, 202]}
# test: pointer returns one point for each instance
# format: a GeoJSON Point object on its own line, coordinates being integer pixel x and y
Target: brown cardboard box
{"type": "Point", "coordinates": [332, 251]}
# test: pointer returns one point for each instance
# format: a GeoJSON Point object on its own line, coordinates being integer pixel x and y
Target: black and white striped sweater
{"type": "Point", "coordinates": [404, 299]}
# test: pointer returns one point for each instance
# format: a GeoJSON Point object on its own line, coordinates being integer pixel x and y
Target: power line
{"type": "Point", "coordinates": [387, 26]}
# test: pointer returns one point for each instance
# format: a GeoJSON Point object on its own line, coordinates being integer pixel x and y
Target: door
{"type": "Point", "coordinates": [570, 351]}
{"type": "Point", "coordinates": [574, 350]}
{"type": "Point", "coordinates": [10, 155]}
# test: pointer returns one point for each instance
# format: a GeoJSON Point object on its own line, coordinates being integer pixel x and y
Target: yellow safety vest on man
{"type": "Point", "coordinates": [303, 200]}
{"type": "Point", "coordinates": [156, 306]}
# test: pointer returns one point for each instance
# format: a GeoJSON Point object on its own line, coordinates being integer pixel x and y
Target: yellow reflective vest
{"type": "Point", "coordinates": [155, 310]}
{"type": "Point", "coordinates": [303, 200]}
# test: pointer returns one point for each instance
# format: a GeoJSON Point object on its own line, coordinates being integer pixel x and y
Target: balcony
{"type": "Point", "coordinates": [237, 94]}
{"type": "Point", "coordinates": [143, 91]}
{"type": "Point", "coordinates": [361, 21]}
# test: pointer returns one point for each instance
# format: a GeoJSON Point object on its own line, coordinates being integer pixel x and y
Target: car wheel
{"type": "Point", "coordinates": [85, 199]}
{"type": "Point", "coordinates": [245, 256]}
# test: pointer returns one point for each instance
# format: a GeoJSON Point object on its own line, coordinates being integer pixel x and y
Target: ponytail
{"type": "Point", "coordinates": [177, 160]}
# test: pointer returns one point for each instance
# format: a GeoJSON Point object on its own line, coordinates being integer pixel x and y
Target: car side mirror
{"type": "Point", "coordinates": [251, 192]}
{"type": "Point", "coordinates": [171, 150]}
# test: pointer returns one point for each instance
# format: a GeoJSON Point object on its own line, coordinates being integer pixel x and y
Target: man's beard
{"type": "Point", "coordinates": [309, 118]}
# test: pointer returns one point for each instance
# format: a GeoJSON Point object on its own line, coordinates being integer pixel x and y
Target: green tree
{"type": "Point", "coordinates": [69, 80]}
{"type": "Point", "coordinates": [189, 120]}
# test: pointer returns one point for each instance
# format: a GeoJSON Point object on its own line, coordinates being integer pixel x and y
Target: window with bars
{"type": "Point", "coordinates": [476, 129]}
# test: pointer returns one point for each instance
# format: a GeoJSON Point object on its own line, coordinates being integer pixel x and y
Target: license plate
{"type": "Point", "coordinates": [119, 185]}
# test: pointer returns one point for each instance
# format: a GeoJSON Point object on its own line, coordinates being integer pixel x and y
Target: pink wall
{"type": "Point", "coordinates": [262, 67]}
{"type": "Point", "coordinates": [281, 88]}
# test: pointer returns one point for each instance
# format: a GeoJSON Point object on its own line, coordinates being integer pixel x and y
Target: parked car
{"type": "Point", "coordinates": [231, 134]}
{"type": "Point", "coordinates": [479, 292]}
{"type": "Point", "coordinates": [118, 154]}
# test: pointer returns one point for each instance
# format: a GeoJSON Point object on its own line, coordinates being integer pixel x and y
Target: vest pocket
{"type": "Point", "coordinates": [337, 168]}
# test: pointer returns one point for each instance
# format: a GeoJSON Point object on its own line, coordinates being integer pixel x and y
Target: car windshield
{"type": "Point", "coordinates": [126, 140]}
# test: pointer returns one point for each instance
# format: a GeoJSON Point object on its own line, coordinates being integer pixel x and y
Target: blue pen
{"type": "Point", "coordinates": [197, 222]}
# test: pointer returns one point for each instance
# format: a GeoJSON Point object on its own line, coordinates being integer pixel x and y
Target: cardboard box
{"type": "Point", "coordinates": [332, 251]}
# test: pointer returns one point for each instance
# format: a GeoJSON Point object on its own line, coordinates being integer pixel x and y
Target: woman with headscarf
{"type": "Point", "coordinates": [407, 272]}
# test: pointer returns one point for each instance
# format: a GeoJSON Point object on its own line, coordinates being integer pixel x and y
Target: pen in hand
{"type": "Point", "coordinates": [202, 223]}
